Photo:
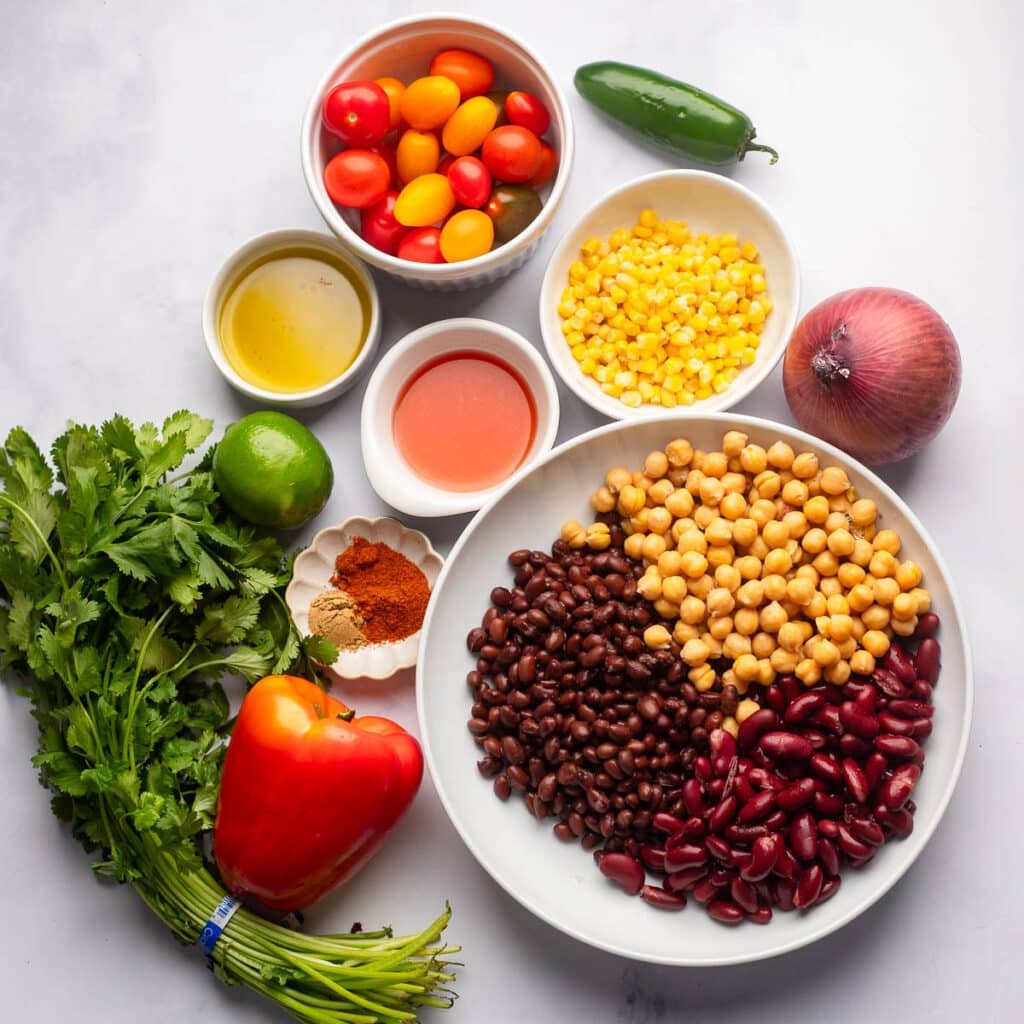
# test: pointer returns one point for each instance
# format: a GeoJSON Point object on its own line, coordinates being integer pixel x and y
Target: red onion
{"type": "Point", "coordinates": [874, 371]}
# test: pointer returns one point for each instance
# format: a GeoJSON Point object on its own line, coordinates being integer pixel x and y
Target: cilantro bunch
{"type": "Point", "coordinates": [126, 594]}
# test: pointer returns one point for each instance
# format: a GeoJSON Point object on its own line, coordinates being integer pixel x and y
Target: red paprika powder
{"type": "Point", "coordinates": [390, 591]}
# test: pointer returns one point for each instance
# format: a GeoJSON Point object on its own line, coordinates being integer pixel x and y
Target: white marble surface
{"type": "Point", "coordinates": [141, 142]}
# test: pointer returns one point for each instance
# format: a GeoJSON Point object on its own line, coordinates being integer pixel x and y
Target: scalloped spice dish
{"type": "Point", "coordinates": [380, 597]}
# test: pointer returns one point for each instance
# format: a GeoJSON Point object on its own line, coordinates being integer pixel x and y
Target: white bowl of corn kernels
{"type": "Point", "coordinates": [676, 292]}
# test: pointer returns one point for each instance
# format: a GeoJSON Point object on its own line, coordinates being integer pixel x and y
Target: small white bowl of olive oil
{"type": "Point", "coordinates": [292, 318]}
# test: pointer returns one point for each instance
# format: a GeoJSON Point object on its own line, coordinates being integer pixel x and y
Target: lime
{"type": "Point", "coordinates": [272, 470]}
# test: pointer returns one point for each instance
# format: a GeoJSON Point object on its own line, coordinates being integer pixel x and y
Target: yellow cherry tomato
{"type": "Point", "coordinates": [393, 89]}
{"type": "Point", "coordinates": [465, 131]}
{"type": "Point", "coordinates": [425, 200]}
{"type": "Point", "coordinates": [467, 234]}
{"type": "Point", "coordinates": [429, 102]}
{"type": "Point", "coordinates": [417, 153]}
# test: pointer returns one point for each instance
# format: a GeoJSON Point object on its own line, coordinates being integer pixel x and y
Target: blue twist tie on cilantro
{"type": "Point", "coordinates": [218, 921]}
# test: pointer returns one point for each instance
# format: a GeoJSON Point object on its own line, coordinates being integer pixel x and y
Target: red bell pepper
{"type": "Point", "coordinates": [308, 792]}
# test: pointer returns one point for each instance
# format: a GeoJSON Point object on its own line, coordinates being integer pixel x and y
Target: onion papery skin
{"type": "Point", "coordinates": [874, 371]}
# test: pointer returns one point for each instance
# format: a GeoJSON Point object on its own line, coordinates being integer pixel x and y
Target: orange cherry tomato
{"type": "Point", "coordinates": [465, 131]}
{"type": "Point", "coordinates": [512, 153]}
{"type": "Point", "coordinates": [393, 89]}
{"type": "Point", "coordinates": [417, 153]}
{"type": "Point", "coordinates": [548, 166]}
{"type": "Point", "coordinates": [429, 102]}
{"type": "Point", "coordinates": [473, 74]}
{"type": "Point", "coordinates": [357, 178]}
{"type": "Point", "coordinates": [466, 235]}
{"type": "Point", "coordinates": [526, 110]}
{"type": "Point", "coordinates": [425, 200]}
{"type": "Point", "coordinates": [421, 245]}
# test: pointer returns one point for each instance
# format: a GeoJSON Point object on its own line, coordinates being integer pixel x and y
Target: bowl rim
{"type": "Point", "coordinates": [268, 241]}
{"type": "Point", "coordinates": [814, 933]}
{"type": "Point", "coordinates": [401, 490]}
{"type": "Point", "coordinates": [399, 662]}
{"type": "Point", "coordinates": [750, 379]}
{"type": "Point", "coordinates": [434, 271]}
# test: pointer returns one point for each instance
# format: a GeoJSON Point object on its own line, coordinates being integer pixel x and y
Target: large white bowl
{"type": "Point", "coordinates": [707, 202]}
{"type": "Point", "coordinates": [559, 882]}
{"type": "Point", "coordinates": [404, 49]}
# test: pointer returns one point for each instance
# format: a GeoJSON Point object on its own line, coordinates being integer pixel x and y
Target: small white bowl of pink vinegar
{"type": "Point", "coordinates": [452, 412]}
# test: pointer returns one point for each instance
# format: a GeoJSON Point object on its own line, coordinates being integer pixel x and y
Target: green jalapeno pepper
{"type": "Point", "coordinates": [677, 116]}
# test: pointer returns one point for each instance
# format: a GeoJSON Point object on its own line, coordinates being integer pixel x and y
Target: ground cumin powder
{"type": "Point", "coordinates": [390, 592]}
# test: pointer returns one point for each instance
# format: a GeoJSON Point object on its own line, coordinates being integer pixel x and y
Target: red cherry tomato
{"type": "Point", "coordinates": [445, 165]}
{"type": "Point", "coordinates": [470, 181]}
{"type": "Point", "coordinates": [421, 245]}
{"type": "Point", "coordinates": [357, 178]}
{"type": "Point", "coordinates": [387, 153]}
{"type": "Point", "coordinates": [526, 110]}
{"type": "Point", "coordinates": [511, 153]}
{"type": "Point", "coordinates": [359, 113]}
{"type": "Point", "coordinates": [378, 226]}
{"type": "Point", "coordinates": [548, 166]}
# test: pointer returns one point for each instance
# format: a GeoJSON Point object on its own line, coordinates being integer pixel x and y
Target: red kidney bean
{"type": "Point", "coordinates": [829, 857]}
{"type": "Point", "coordinates": [744, 895]}
{"type": "Point", "coordinates": [721, 744]}
{"type": "Point", "coordinates": [757, 808]}
{"type": "Point", "coordinates": [853, 746]}
{"type": "Point", "coordinates": [667, 823]}
{"type": "Point", "coordinates": [656, 896]}
{"type": "Point", "coordinates": [791, 687]}
{"type": "Point", "coordinates": [783, 890]}
{"type": "Point", "coordinates": [763, 856]}
{"type": "Point", "coordinates": [927, 625]}
{"type": "Point", "coordinates": [743, 789]}
{"type": "Point", "coordinates": [775, 698]}
{"type": "Point", "coordinates": [897, 789]}
{"type": "Point", "coordinates": [745, 834]}
{"type": "Point", "coordinates": [627, 871]}
{"type": "Point", "coordinates": [900, 823]}
{"type": "Point", "coordinates": [857, 720]}
{"type": "Point", "coordinates": [827, 805]}
{"type": "Point", "coordinates": [828, 890]}
{"type": "Point", "coordinates": [704, 890]}
{"type": "Point", "coordinates": [803, 840]}
{"type": "Point", "coordinates": [687, 878]}
{"type": "Point", "coordinates": [827, 768]}
{"type": "Point", "coordinates": [762, 915]}
{"type": "Point", "coordinates": [867, 698]}
{"type": "Point", "coordinates": [796, 795]}
{"type": "Point", "coordinates": [852, 846]}
{"type": "Point", "coordinates": [828, 718]}
{"type": "Point", "coordinates": [702, 768]}
{"type": "Point", "coordinates": [765, 779]}
{"type": "Point", "coordinates": [723, 814]}
{"type": "Point", "coordinates": [785, 864]}
{"type": "Point", "coordinates": [922, 728]}
{"type": "Point", "coordinates": [921, 690]}
{"type": "Point", "coordinates": [902, 747]}
{"type": "Point", "coordinates": [716, 789]}
{"type": "Point", "coordinates": [719, 849]}
{"type": "Point", "coordinates": [929, 660]}
{"type": "Point", "coordinates": [786, 744]}
{"type": "Point", "coordinates": [775, 821]}
{"type": "Point", "coordinates": [856, 781]}
{"type": "Point", "coordinates": [725, 911]}
{"type": "Point", "coordinates": [866, 830]}
{"type": "Point", "coordinates": [753, 726]}
{"type": "Point", "coordinates": [804, 706]}
{"type": "Point", "coordinates": [817, 739]}
{"type": "Point", "coordinates": [911, 709]}
{"type": "Point", "coordinates": [890, 684]}
{"type": "Point", "coordinates": [693, 829]}
{"type": "Point", "coordinates": [693, 797]}
{"type": "Point", "coordinates": [686, 855]}
{"type": "Point", "coordinates": [808, 886]}
{"type": "Point", "coordinates": [898, 726]}
{"type": "Point", "coordinates": [653, 857]}
{"type": "Point", "coordinates": [898, 662]}
{"type": "Point", "coordinates": [874, 768]}
{"type": "Point", "coordinates": [828, 828]}
{"type": "Point", "coordinates": [722, 877]}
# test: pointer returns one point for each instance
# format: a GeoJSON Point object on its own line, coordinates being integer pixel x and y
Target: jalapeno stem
{"type": "Point", "coordinates": [750, 146]}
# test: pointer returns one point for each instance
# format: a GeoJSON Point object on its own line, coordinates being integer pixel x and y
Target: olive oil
{"type": "Point", "coordinates": [294, 319]}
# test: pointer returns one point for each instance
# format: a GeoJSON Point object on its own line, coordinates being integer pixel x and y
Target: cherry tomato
{"type": "Point", "coordinates": [527, 111]}
{"type": "Point", "coordinates": [466, 235]}
{"type": "Point", "coordinates": [497, 97]}
{"type": "Point", "coordinates": [429, 102]}
{"type": "Point", "coordinates": [472, 73]}
{"type": "Point", "coordinates": [357, 112]}
{"type": "Point", "coordinates": [466, 129]}
{"type": "Point", "coordinates": [512, 153]}
{"type": "Point", "coordinates": [512, 208]}
{"type": "Point", "coordinates": [470, 181]}
{"type": "Point", "coordinates": [387, 153]}
{"type": "Point", "coordinates": [393, 89]}
{"type": "Point", "coordinates": [446, 164]}
{"type": "Point", "coordinates": [548, 166]}
{"type": "Point", "coordinates": [421, 245]}
{"type": "Point", "coordinates": [357, 178]}
{"type": "Point", "coordinates": [378, 226]}
{"type": "Point", "coordinates": [418, 153]}
{"type": "Point", "coordinates": [425, 200]}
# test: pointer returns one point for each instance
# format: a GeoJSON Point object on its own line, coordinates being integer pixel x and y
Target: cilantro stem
{"type": "Point", "coordinates": [135, 696]}
{"type": "Point", "coordinates": [15, 507]}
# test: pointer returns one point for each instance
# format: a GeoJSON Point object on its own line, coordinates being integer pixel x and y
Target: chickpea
{"type": "Point", "coordinates": [840, 627]}
{"type": "Point", "coordinates": [673, 588]}
{"type": "Point", "coordinates": [780, 455]}
{"type": "Point", "coordinates": [784, 662]}
{"type": "Point", "coordinates": [923, 598]}
{"type": "Point", "coordinates": [765, 673]}
{"type": "Point", "coordinates": [679, 452]}
{"type": "Point", "coordinates": [617, 478]}
{"type": "Point", "coordinates": [638, 523]}
{"type": "Point", "coordinates": [701, 586]}
{"type": "Point", "coordinates": [732, 506]}
{"type": "Point", "coordinates": [721, 554]}
{"type": "Point", "coordinates": [692, 610]}
{"type": "Point", "coordinates": [796, 523]}
{"type": "Point", "coordinates": [808, 572]}
{"type": "Point", "coordinates": [875, 642]}
{"type": "Point", "coordinates": [749, 567]}
{"type": "Point", "coordinates": [746, 621]}
{"type": "Point", "coordinates": [734, 483]}
{"type": "Point", "coordinates": [649, 586]}
{"type": "Point", "coordinates": [660, 490]}
{"type": "Point", "coordinates": [800, 590]}
{"type": "Point", "coordinates": [859, 629]}
{"type": "Point", "coordinates": [659, 520]}
{"type": "Point", "coordinates": [768, 485]}
{"type": "Point", "coordinates": [862, 662]}
{"type": "Point", "coordinates": [795, 493]}
{"type": "Point", "coordinates": [642, 480]}
{"type": "Point", "coordinates": [682, 633]}
{"type": "Point", "coordinates": [657, 636]}
{"type": "Point", "coordinates": [735, 645]}
{"type": "Point", "coordinates": [711, 490]}
{"type": "Point", "coordinates": [702, 677]}
{"type": "Point", "coordinates": [805, 465]}
{"type": "Point", "coordinates": [790, 636]}
{"type": "Point", "coordinates": [863, 513]}
{"type": "Point", "coordinates": [839, 673]}
{"type": "Point", "coordinates": [733, 442]}
{"type": "Point", "coordinates": [574, 534]}
{"type": "Point", "coordinates": [762, 511]}
{"type": "Point", "coordinates": [751, 594]}
{"type": "Point", "coordinates": [677, 476]}
{"type": "Point", "coordinates": [847, 648]}
{"type": "Point", "coordinates": [814, 541]}
{"type": "Point", "coordinates": [886, 590]}
{"type": "Point", "coordinates": [631, 500]}
{"type": "Point", "coordinates": [887, 540]}
{"type": "Point", "coordinates": [772, 617]}
{"type": "Point", "coordinates": [668, 563]}
{"type": "Point", "coordinates": [715, 464]}
{"type": "Point", "coordinates": [908, 575]}
{"type": "Point", "coordinates": [826, 563]}
{"type": "Point", "coordinates": [834, 480]}
{"type": "Point", "coordinates": [703, 514]}
{"type": "Point", "coordinates": [758, 549]}
{"type": "Point", "coordinates": [693, 564]}
{"type": "Point", "coordinates": [816, 510]}
{"type": "Point", "coordinates": [808, 672]}
{"type": "Point", "coordinates": [754, 459]}
{"type": "Point", "coordinates": [713, 645]}
{"type": "Point", "coordinates": [837, 603]}
{"type": "Point", "coordinates": [816, 606]}
{"type": "Point", "coordinates": [825, 652]}
{"type": "Point", "coordinates": [860, 597]}
{"type": "Point", "coordinates": [598, 537]}
{"type": "Point", "coordinates": [862, 552]}
{"type": "Point", "coordinates": [836, 521]}
{"type": "Point", "coordinates": [876, 617]}
{"type": "Point", "coordinates": [653, 546]}
{"type": "Point", "coordinates": [850, 575]}
{"type": "Point", "coordinates": [830, 587]}
{"type": "Point", "coordinates": [774, 587]}
{"type": "Point", "coordinates": [718, 531]}
{"type": "Point", "coordinates": [775, 533]}
{"type": "Point", "coordinates": [841, 543]}
{"type": "Point", "coordinates": [746, 668]}
{"type": "Point", "coordinates": [602, 500]}
{"type": "Point", "coordinates": [904, 607]}
{"type": "Point", "coordinates": [728, 576]}
{"type": "Point", "coordinates": [693, 479]}
{"type": "Point", "coordinates": [777, 562]}
{"type": "Point", "coordinates": [656, 465]}
{"type": "Point", "coordinates": [692, 540]}
{"type": "Point", "coordinates": [745, 709]}
{"type": "Point", "coordinates": [904, 627]}
{"type": "Point", "coordinates": [744, 532]}
{"type": "Point", "coordinates": [882, 564]}
{"type": "Point", "coordinates": [680, 503]}
{"type": "Point", "coordinates": [720, 628]}
{"type": "Point", "coordinates": [720, 602]}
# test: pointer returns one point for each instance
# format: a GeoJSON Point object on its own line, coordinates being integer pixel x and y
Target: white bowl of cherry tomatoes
{"type": "Point", "coordinates": [438, 148]}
